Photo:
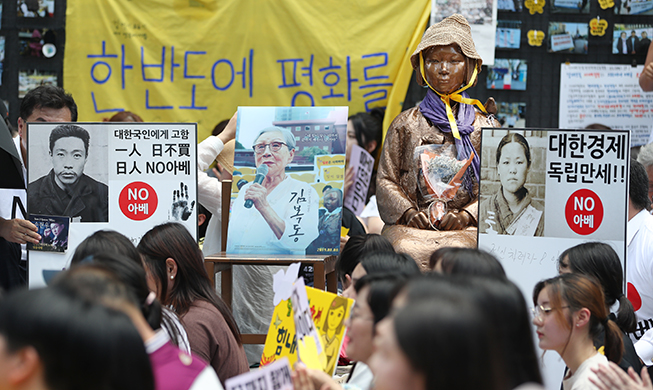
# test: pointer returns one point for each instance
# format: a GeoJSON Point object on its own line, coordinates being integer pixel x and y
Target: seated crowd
{"type": "Point", "coordinates": [146, 317]}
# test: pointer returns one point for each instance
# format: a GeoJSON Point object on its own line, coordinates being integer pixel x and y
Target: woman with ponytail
{"type": "Point", "coordinates": [175, 269]}
{"type": "Point", "coordinates": [569, 314]}
{"type": "Point", "coordinates": [119, 283]}
{"type": "Point", "coordinates": [112, 242]}
{"type": "Point", "coordinates": [600, 261]}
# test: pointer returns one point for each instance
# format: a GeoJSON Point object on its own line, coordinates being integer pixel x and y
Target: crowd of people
{"type": "Point", "coordinates": [441, 316]}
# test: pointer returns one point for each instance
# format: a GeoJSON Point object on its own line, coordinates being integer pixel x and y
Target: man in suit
{"type": "Point", "coordinates": [43, 104]}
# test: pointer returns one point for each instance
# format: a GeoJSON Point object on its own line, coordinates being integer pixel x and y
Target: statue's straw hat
{"type": "Point", "coordinates": [453, 29]}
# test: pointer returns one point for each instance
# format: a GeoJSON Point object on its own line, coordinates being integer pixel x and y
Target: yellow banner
{"type": "Point", "coordinates": [198, 60]}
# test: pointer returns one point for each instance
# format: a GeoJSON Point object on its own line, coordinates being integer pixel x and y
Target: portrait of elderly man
{"type": "Point", "coordinates": [66, 190]}
{"type": "Point", "coordinates": [283, 213]}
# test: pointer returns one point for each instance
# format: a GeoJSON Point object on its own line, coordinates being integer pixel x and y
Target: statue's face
{"type": "Point", "coordinates": [445, 68]}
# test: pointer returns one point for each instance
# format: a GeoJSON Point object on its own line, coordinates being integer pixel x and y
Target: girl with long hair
{"type": "Point", "coordinates": [600, 261]}
{"type": "Point", "coordinates": [176, 273]}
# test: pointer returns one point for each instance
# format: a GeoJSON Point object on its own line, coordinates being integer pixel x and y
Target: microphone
{"type": "Point", "coordinates": [261, 172]}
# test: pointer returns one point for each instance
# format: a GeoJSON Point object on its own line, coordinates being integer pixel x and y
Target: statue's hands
{"type": "Point", "coordinates": [417, 219]}
{"type": "Point", "coordinates": [455, 220]}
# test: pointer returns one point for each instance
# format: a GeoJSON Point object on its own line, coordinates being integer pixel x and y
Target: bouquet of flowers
{"type": "Point", "coordinates": [442, 173]}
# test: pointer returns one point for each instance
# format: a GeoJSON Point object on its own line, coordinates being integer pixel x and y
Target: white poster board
{"type": "Point", "coordinates": [578, 180]}
{"type": "Point", "coordinates": [141, 174]}
{"type": "Point", "coordinates": [275, 376]}
{"type": "Point", "coordinates": [362, 164]}
{"type": "Point", "coordinates": [605, 94]}
{"type": "Point", "coordinates": [482, 17]}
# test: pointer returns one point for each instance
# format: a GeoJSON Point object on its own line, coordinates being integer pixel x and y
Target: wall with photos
{"type": "Point", "coordinates": [32, 38]}
{"type": "Point", "coordinates": [537, 104]}
{"type": "Point", "coordinates": [535, 69]}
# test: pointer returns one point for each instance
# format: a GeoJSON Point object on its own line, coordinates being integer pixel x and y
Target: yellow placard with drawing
{"type": "Point", "coordinates": [329, 312]}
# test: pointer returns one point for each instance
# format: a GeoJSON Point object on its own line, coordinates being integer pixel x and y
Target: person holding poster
{"type": "Point", "coordinates": [512, 210]}
{"type": "Point", "coordinates": [267, 210]}
{"type": "Point", "coordinates": [447, 63]}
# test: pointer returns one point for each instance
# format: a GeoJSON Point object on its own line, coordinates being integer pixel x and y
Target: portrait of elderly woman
{"type": "Point", "coordinates": [446, 63]}
{"type": "Point", "coordinates": [280, 214]}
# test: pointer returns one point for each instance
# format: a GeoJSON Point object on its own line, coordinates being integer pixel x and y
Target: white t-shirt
{"type": "Point", "coordinates": [639, 271]}
{"type": "Point", "coordinates": [580, 379]}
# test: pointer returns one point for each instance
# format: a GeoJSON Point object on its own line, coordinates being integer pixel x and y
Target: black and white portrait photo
{"type": "Point", "coordinates": [512, 183]}
{"type": "Point", "coordinates": [60, 162]}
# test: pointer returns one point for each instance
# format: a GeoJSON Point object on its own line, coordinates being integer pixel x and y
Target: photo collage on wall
{"type": "Point", "coordinates": [36, 42]}
{"type": "Point", "coordinates": [35, 8]}
{"type": "Point", "coordinates": [507, 74]}
{"type": "Point", "coordinates": [508, 34]}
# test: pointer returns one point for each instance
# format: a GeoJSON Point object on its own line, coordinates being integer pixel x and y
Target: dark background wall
{"type": "Point", "coordinates": [14, 62]}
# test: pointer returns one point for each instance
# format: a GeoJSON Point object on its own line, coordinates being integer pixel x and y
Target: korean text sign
{"type": "Point", "coordinates": [141, 55]}
{"type": "Point", "coordinates": [127, 177]}
{"type": "Point", "coordinates": [571, 187]}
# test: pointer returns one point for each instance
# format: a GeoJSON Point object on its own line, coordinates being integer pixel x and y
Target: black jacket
{"type": "Point", "coordinates": [89, 199]}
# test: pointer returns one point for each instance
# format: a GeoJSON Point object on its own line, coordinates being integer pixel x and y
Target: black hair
{"type": "Point", "coordinates": [457, 327]}
{"type": "Point", "coordinates": [368, 127]}
{"type": "Point", "coordinates": [63, 131]}
{"type": "Point", "coordinates": [467, 261]}
{"type": "Point", "coordinates": [389, 262]}
{"type": "Point", "coordinates": [47, 96]}
{"type": "Point", "coordinates": [81, 345]}
{"type": "Point", "coordinates": [382, 290]}
{"type": "Point", "coordinates": [220, 127]}
{"type": "Point", "coordinates": [518, 138]}
{"type": "Point", "coordinates": [132, 275]}
{"type": "Point", "coordinates": [356, 247]}
{"type": "Point", "coordinates": [113, 250]}
{"type": "Point", "coordinates": [106, 241]}
{"type": "Point", "coordinates": [599, 260]}
{"type": "Point", "coordinates": [499, 299]}
{"type": "Point", "coordinates": [638, 186]}
{"type": "Point", "coordinates": [172, 240]}
{"type": "Point", "coordinates": [201, 230]}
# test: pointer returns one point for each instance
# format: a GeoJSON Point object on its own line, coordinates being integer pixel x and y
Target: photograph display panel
{"type": "Point", "coordinates": [574, 188]}
{"type": "Point", "coordinates": [127, 177]}
{"type": "Point", "coordinates": [287, 185]}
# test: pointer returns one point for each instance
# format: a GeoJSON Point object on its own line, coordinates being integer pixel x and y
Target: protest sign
{"type": "Point", "coordinates": [328, 312]}
{"type": "Point", "coordinates": [127, 177]}
{"type": "Point", "coordinates": [274, 376]}
{"type": "Point", "coordinates": [606, 94]}
{"type": "Point", "coordinates": [362, 164]}
{"type": "Point", "coordinates": [288, 162]}
{"type": "Point", "coordinates": [573, 187]}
